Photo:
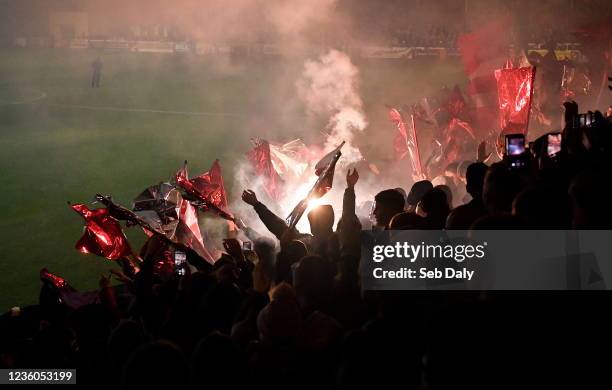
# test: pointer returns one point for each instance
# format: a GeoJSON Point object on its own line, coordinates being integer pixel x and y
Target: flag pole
{"type": "Point", "coordinates": [533, 73]}
{"type": "Point", "coordinates": [416, 145]}
{"type": "Point", "coordinates": [121, 213]}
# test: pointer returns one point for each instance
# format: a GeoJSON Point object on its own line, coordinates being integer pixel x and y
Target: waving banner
{"type": "Point", "coordinates": [514, 90]}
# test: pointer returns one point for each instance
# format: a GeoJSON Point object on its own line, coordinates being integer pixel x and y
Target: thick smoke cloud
{"type": "Point", "coordinates": [329, 89]}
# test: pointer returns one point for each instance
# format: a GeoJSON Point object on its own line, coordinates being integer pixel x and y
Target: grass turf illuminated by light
{"type": "Point", "coordinates": [56, 149]}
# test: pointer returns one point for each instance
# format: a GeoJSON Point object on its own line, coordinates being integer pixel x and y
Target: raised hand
{"type": "Point", "coordinates": [571, 110]}
{"type": "Point", "coordinates": [233, 248]}
{"type": "Point", "coordinates": [249, 197]}
{"type": "Point", "coordinates": [352, 178]}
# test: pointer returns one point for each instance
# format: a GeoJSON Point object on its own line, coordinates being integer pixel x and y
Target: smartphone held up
{"type": "Point", "coordinates": [553, 144]}
{"type": "Point", "coordinates": [180, 262]}
{"type": "Point", "coordinates": [515, 150]}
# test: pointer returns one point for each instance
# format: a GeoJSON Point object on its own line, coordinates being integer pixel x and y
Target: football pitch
{"type": "Point", "coordinates": [62, 140]}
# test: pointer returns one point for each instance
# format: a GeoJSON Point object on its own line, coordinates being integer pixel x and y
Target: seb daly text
{"type": "Point", "coordinates": [404, 260]}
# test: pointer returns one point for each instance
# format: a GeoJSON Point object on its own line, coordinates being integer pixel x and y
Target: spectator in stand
{"type": "Point", "coordinates": [417, 191]}
{"type": "Point", "coordinates": [449, 194]}
{"type": "Point", "coordinates": [407, 221]}
{"type": "Point", "coordinates": [500, 187]}
{"type": "Point", "coordinates": [434, 208]}
{"type": "Point", "coordinates": [463, 216]}
{"type": "Point", "coordinates": [387, 204]}
{"type": "Point", "coordinates": [543, 207]}
{"type": "Point", "coordinates": [303, 319]}
{"type": "Point", "coordinates": [289, 255]}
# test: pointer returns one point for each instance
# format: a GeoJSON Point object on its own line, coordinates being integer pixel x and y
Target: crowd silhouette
{"type": "Point", "coordinates": [291, 313]}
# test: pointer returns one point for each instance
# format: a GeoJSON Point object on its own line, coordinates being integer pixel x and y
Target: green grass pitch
{"type": "Point", "coordinates": [71, 141]}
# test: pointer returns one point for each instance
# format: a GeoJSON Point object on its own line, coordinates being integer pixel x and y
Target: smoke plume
{"type": "Point", "coordinates": [328, 88]}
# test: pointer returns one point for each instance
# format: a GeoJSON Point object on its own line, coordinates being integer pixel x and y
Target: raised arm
{"type": "Point", "coordinates": [348, 201]}
{"type": "Point", "coordinates": [273, 222]}
{"type": "Point", "coordinates": [349, 226]}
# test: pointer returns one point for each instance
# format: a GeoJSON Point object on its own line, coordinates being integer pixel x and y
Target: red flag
{"type": "Point", "coordinates": [400, 142]}
{"type": "Point", "coordinates": [69, 296]}
{"type": "Point", "coordinates": [103, 235]}
{"type": "Point", "coordinates": [209, 185]}
{"type": "Point", "coordinates": [208, 189]}
{"type": "Point", "coordinates": [261, 161]}
{"type": "Point", "coordinates": [457, 124]}
{"type": "Point", "coordinates": [482, 52]}
{"type": "Point", "coordinates": [515, 89]}
{"type": "Point", "coordinates": [325, 169]}
{"type": "Point", "coordinates": [55, 280]}
{"type": "Point", "coordinates": [188, 233]}
{"type": "Point", "coordinates": [406, 141]}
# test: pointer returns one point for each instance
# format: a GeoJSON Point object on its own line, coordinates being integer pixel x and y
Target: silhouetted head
{"type": "Point", "coordinates": [296, 249]}
{"type": "Point", "coordinates": [447, 191]}
{"type": "Point", "coordinates": [264, 247]}
{"type": "Point", "coordinates": [543, 208]}
{"type": "Point", "coordinates": [500, 187]}
{"type": "Point", "coordinates": [475, 176]}
{"type": "Point", "coordinates": [313, 280]}
{"type": "Point", "coordinates": [401, 191]}
{"type": "Point", "coordinates": [406, 221]}
{"type": "Point", "coordinates": [279, 323]}
{"type": "Point", "coordinates": [416, 193]}
{"type": "Point", "coordinates": [321, 219]}
{"type": "Point", "coordinates": [290, 254]}
{"type": "Point", "coordinates": [387, 204]}
{"type": "Point", "coordinates": [498, 222]}
{"type": "Point", "coordinates": [435, 206]}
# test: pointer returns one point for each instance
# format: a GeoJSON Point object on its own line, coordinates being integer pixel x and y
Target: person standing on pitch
{"type": "Point", "coordinates": [97, 73]}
